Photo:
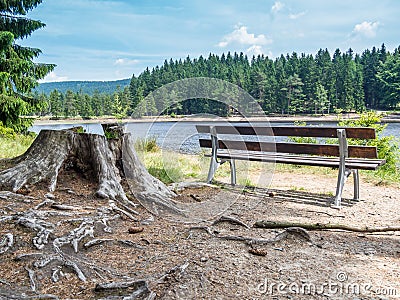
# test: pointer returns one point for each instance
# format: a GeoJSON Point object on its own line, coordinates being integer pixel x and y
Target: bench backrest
{"type": "Point", "coordinates": [293, 131]}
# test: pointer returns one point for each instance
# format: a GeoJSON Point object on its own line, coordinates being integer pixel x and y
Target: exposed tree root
{"type": "Point", "coordinates": [293, 231]}
{"type": "Point", "coordinates": [231, 220]}
{"type": "Point", "coordinates": [6, 242]}
{"type": "Point", "coordinates": [126, 289]}
{"type": "Point", "coordinates": [105, 161]}
{"type": "Point", "coordinates": [318, 226]}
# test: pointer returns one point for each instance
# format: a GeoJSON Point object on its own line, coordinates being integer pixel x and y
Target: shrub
{"type": "Point", "coordinates": [300, 139]}
{"type": "Point", "coordinates": [147, 145]}
{"type": "Point", "coordinates": [387, 145]}
{"type": "Point", "coordinates": [6, 132]}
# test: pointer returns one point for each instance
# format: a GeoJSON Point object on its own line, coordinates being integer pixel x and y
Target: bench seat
{"type": "Point", "coordinates": [348, 159]}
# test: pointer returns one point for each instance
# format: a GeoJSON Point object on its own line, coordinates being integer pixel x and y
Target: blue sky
{"type": "Point", "coordinates": [112, 39]}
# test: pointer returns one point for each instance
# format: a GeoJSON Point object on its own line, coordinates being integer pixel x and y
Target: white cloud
{"type": "Point", "coordinates": [296, 16]}
{"type": "Point", "coordinates": [254, 50]}
{"type": "Point", "coordinates": [257, 50]}
{"type": "Point", "coordinates": [241, 36]}
{"type": "Point", "coordinates": [125, 62]}
{"type": "Point", "coordinates": [277, 7]}
{"type": "Point", "coordinates": [53, 77]}
{"type": "Point", "coordinates": [367, 29]}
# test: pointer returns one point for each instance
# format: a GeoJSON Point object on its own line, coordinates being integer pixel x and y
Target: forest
{"type": "Point", "coordinates": [291, 84]}
{"type": "Point", "coordinates": [86, 87]}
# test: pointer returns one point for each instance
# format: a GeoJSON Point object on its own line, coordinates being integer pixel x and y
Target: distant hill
{"type": "Point", "coordinates": [87, 87]}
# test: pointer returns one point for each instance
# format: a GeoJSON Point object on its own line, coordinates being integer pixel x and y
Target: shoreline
{"type": "Point", "coordinates": [274, 119]}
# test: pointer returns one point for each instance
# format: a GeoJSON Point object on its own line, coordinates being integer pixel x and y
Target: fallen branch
{"type": "Point", "coordinates": [231, 220]}
{"type": "Point", "coordinates": [318, 226]}
{"type": "Point", "coordinates": [296, 231]}
{"type": "Point", "coordinates": [125, 289]}
{"type": "Point", "coordinates": [64, 207]}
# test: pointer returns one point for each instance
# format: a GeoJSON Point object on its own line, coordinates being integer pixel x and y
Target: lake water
{"type": "Point", "coordinates": [182, 136]}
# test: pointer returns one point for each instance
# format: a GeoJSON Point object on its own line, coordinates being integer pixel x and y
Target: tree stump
{"type": "Point", "coordinates": [105, 159]}
{"type": "Point", "coordinates": [110, 162]}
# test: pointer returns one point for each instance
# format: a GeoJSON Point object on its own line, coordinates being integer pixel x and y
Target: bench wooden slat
{"type": "Point", "coordinates": [296, 131]}
{"type": "Point", "coordinates": [302, 160]}
{"type": "Point", "coordinates": [295, 148]}
{"type": "Point", "coordinates": [303, 157]}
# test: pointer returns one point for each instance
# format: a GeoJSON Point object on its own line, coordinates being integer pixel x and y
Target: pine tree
{"type": "Point", "coordinates": [295, 97]}
{"type": "Point", "coordinates": [56, 105]}
{"type": "Point", "coordinates": [18, 73]}
{"type": "Point", "coordinates": [70, 104]}
{"type": "Point", "coordinates": [321, 99]}
{"type": "Point", "coordinates": [388, 74]}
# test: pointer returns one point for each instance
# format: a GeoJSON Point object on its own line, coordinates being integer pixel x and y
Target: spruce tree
{"type": "Point", "coordinates": [19, 74]}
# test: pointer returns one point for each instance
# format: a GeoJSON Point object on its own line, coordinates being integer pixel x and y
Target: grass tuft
{"type": "Point", "coordinates": [14, 146]}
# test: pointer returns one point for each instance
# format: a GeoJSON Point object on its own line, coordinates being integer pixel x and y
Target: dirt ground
{"type": "Point", "coordinates": [207, 261]}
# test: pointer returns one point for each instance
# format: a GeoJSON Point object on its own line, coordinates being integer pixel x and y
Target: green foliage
{"type": "Point", "coordinates": [12, 145]}
{"type": "Point", "coordinates": [74, 104]}
{"type": "Point", "coordinates": [147, 145]}
{"type": "Point", "coordinates": [293, 83]}
{"type": "Point", "coordinates": [111, 135]}
{"type": "Point", "coordinates": [119, 108]}
{"type": "Point", "coordinates": [247, 183]}
{"type": "Point", "coordinates": [300, 139]}
{"type": "Point", "coordinates": [84, 87]}
{"type": "Point", "coordinates": [321, 103]}
{"type": "Point", "coordinates": [388, 147]}
{"type": "Point", "coordinates": [389, 75]}
{"type": "Point", "coordinates": [6, 132]}
{"type": "Point", "coordinates": [167, 174]}
{"type": "Point", "coordinates": [294, 94]}
{"type": "Point", "coordinates": [289, 84]}
{"type": "Point", "coordinates": [367, 119]}
{"type": "Point", "coordinates": [18, 71]}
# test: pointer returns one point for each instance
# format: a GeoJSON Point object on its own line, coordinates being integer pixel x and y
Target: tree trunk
{"type": "Point", "coordinates": [104, 160]}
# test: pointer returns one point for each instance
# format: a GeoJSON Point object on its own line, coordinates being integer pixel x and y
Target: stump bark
{"type": "Point", "coordinates": [104, 160]}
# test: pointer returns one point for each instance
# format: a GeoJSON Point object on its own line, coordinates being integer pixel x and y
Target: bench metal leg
{"type": "Point", "coordinates": [342, 177]}
{"type": "Point", "coordinates": [233, 171]}
{"type": "Point", "coordinates": [213, 168]}
{"type": "Point", "coordinates": [343, 171]}
{"type": "Point", "coordinates": [356, 179]}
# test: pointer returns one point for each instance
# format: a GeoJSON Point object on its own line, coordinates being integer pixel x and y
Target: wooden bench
{"type": "Point", "coordinates": [347, 158]}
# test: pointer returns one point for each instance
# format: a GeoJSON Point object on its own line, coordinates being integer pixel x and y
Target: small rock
{"type": "Point", "coordinates": [203, 259]}
{"type": "Point", "coordinates": [50, 196]}
{"type": "Point", "coordinates": [133, 230]}
{"type": "Point", "coordinates": [259, 252]}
